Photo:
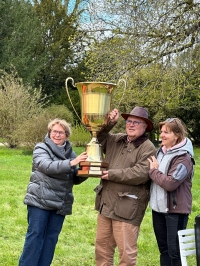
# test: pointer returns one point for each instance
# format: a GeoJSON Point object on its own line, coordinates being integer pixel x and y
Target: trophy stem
{"type": "Point", "coordinates": [94, 151]}
{"type": "Point", "coordinates": [94, 136]}
{"type": "Point", "coordinates": [94, 140]}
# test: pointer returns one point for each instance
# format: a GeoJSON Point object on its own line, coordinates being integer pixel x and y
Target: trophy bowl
{"type": "Point", "coordinates": [95, 101]}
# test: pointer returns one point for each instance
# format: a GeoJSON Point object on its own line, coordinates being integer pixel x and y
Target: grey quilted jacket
{"type": "Point", "coordinates": [52, 178]}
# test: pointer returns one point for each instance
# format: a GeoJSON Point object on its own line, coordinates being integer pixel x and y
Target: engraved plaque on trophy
{"type": "Point", "coordinates": [95, 100]}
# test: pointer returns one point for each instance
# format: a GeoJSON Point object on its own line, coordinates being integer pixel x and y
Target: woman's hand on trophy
{"type": "Point", "coordinates": [80, 158]}
{"type": "Point", "coordinates": [114, 116]}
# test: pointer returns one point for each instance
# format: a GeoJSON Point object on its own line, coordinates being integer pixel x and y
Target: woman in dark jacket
{"type": "Point", "coordinates": [170, 193]}
{"type": "Point", "coordinates": [49, 194]}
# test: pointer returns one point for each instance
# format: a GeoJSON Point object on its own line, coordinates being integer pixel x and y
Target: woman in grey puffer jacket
{"type": "Point", "coordinates": [49, 194]}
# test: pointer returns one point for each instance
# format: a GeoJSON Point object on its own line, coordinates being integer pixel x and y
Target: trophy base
{"type": "Point", "coordinates": [92, 169]}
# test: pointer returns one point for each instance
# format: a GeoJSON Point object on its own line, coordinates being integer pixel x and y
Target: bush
{"type": "Point", "coordinates": [80, 136]}
{"type": "Point", "coordinates": [60, 111]}
{"type": "Point", "coordinates": [35, 129]}
{"type": "Point", "coordinates": [18, 103]}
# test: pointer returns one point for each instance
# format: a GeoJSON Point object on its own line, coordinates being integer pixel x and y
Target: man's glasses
{"type": "Point", "coordinates": [135, 123]}
{"type": "Point", "coordinates": [55, 132]}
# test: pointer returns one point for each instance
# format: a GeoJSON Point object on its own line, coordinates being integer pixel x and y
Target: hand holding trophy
{"type": "Point", "coordinates": [95, 100]}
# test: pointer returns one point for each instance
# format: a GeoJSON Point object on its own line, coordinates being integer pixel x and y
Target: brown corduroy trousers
{"type": "Point", "coordinates": [111, 234]}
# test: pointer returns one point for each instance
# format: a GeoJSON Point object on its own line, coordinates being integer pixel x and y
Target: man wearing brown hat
{"type": "Point", "coordinates": [123, 193]}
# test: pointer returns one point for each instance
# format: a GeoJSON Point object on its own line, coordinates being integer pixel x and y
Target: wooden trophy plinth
{"type": "Point", "coordinates": [92, 169]}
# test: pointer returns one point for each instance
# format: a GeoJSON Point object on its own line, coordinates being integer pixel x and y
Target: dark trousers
{"type": "Point", "coordinates": [44, 227]}
{"type": "Point", "coordinates": [166, 227]}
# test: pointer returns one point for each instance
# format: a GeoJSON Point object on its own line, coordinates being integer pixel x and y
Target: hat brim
{"type": "Point", "coordinates": [149, 123]}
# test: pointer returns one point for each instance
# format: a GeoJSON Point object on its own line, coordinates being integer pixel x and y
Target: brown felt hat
{"type": "Point", "coordinates": [141, 113]}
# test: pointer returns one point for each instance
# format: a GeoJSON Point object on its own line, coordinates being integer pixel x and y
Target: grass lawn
{"type": "Point", "coordinates": [76, 242]}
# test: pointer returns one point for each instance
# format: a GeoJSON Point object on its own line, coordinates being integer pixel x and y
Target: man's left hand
{"type": "Point", "coordinates": [105, 175]}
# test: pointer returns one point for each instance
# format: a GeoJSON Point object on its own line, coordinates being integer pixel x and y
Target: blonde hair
{"type": "Point", "coordinates": [66, 126]}
{"type": "Point", "coordinates": [176, 126]}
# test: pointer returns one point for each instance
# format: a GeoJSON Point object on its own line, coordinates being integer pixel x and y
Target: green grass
{"type": "Point", "coordinates": [76, 242]}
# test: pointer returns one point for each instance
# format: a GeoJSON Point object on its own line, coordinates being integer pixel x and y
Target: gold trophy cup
{"type": "Point", "coordinates": [95, 100]}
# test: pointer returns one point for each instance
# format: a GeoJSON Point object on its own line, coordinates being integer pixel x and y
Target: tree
{"type": "Point", "coordinates": [140, 32]}
{"type": "Point", "coordinates": [20, 32]}
{"type": "Point", "coordinates": [146, 43]}
{"type": "Point", "coordinates": [36, 37]}
{"type": "Point", "coordinates": [60, 27]}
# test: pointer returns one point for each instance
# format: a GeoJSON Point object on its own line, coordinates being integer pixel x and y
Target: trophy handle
{"type": "Point", "coordinates": [70, 82]}
{"type": "Point", "coordinates": [125, 85]}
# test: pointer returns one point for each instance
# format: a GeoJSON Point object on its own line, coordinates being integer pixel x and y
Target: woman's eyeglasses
{"type": "Point", "coordinates": [55, 132]}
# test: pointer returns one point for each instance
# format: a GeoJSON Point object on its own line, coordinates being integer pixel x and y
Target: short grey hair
{"type": "Point", "coordinates": [66, 126]}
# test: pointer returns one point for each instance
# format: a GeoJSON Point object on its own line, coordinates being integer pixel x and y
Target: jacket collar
{"type": "Point", "coordinates": [136, 142]}
{"type": "Point", "coordinates": [55, 149]}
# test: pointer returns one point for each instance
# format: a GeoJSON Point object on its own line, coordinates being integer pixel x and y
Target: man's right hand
{"type": "Point", "coordinates": [114, 116]}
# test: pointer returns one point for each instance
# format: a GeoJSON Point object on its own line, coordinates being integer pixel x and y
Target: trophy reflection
{"type": "Point", "coordinates": [95, 100]}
